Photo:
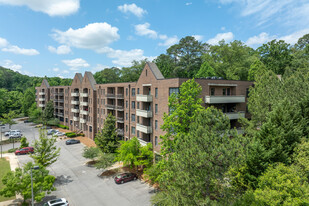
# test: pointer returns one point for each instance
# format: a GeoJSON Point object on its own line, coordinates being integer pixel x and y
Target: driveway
{"type": "Point", "coordinates": [80, 184]}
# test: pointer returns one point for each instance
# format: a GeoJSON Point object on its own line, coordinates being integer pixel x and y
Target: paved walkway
{"type": "Point", "coordinates": [14, 164]}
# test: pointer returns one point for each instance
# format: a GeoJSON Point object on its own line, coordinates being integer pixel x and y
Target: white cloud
{"type": "Point", "coordinates": [65, 72]}
{"type": "Point", "coordinates": [50, 7]}
{"type": "Point", "coordinates": [17, 50]}
{"type": "Point", "coordinates": [260, 39]}
{"type": "Point", "coordinates": [11, 65]}
{"type": "Point", "coordinates": [3, 42]}
{"type": "Point", "coordinates": [188, 3]}
{"type": "Point", "coordinates": [93, 36]}
{"type": "Point", "coordinates": [198, 37]}
{"type": "Point", "coordinates": [169, 41]}
{"type": "Point", "coordinates": [63, 49]}
{"type": "Point", "coordinates": [56, 69]}
{"type": "Point", "coordinates": [293, 38]}
{"type": "Point", "coordinates": [226, 36]}
{"type": "Point", "coordinates": [132, 8]}
{"type": "Point", "coordinates": [76, 64]}
{"type": "Point", "coordinates": [143, 30]}
{"type": "Point", "coordinates": [99, 67]}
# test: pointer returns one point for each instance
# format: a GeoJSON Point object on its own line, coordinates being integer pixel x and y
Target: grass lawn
{"type": "Point", "coordinates": [5, 167]}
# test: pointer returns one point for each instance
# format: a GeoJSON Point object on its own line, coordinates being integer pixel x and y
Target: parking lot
{"type": "Point", "coordinates": [79, 184]}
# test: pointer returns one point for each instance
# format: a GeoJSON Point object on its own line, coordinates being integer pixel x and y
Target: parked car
{"type": "Point", "coordinates": [59, 134]}
{"type": "Point", "coordinates": [57, 202]}
{"type": "Point", "coordinates": [46, 127]}
{"type": "Point", "coordinates": [15, 135]}
{"type": "Point", "coordinates": [25, 150]}
{"type": "Point", "coordinates": [52, 131]}
{"type": "Point", "coordinates": [12, 131]}
{"type": "Point", "coordinates": [72, 141]}
{"type": "Point", "coordinates": [125, 177]}
{"type": "Point", "coordinates": [27, 121]}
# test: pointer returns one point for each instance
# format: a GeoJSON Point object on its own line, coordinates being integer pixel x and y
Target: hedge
{"type": "Point", "coordinates": [63, 126]}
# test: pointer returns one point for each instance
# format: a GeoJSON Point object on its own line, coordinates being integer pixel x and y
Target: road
{"type": "Point", "coordinates": [80, 184]}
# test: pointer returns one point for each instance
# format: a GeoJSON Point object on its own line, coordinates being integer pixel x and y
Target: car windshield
{"type": "Point", "coordinates": [119, 176]}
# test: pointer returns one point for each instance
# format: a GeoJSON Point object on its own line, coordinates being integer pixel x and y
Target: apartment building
{"type": "Point", "coordinates": [138, 106]}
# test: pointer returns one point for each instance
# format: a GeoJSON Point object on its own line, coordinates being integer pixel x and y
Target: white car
{"type": "Point", "coordinates": [15, 135]}
{"type": "Point", "coordinates": [57, 202]}
{"type": "Point", "coordinates": [12, 132]}
{"type": "Point", "coordinates": [58, 134]}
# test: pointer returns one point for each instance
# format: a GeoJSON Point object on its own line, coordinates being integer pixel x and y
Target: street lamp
{"type": "Point", "coordinates": [33, 168]}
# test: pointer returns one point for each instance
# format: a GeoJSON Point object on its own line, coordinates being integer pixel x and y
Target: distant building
{"type": "Point", "coordinates": [138, 106]}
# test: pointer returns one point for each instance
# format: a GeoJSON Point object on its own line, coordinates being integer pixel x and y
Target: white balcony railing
{"type": "Point", "coordinates": [142, 142]}
{"type": "Point", "coordinates": [235, 115]}
{"type": "Point", "coordinates": [144, 129]}
{"type": "Point", "coordinates": [84, 112]}
{"type": "Point", "coordinates": [74, 94]}
{"type": "Point", "coordinates": [82, 121]}
{"type": "Point", "coordinates": [41, 99]}
{"type": "Point", "coordinates": [76, 119]}
{"type": "Point", "coordinates": [75, 110]}
{"type": "Point", "coordinates": [144, 98]}
{"type": "Point", "coordinates": [84, 94]}
{"type": "Point", "coordinates": [120, 132]}
{"type": "Point", "coordinates": [41, 93]}
{"type": "Point", "coordinates": [84, 103]}
{"type": "Point", "coordinates": [41, 105]}
{"type": "Point", "coordinates": [144, 113]}
{"type": "Point", "coordinates": [74, 102]}
{"type": "Point", "coordinates": [224, 99]}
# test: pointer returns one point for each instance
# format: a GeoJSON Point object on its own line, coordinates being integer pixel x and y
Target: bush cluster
{"type": "Point", "coordinates": [63, 126]}
{"type": "Point", "coordinates": [12, 150]}
{"type": "Point", "coordinates": [71, 134]}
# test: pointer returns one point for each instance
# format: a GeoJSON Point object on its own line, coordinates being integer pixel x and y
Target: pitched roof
{"type": "Point", "coordinates": [80, 76]}
{"type": "Point", "coordinates": [155, 70]}
{"type": "Point", "coordinates": [45, 82]}
{"type": "Point", "coordinates": [91, 79]}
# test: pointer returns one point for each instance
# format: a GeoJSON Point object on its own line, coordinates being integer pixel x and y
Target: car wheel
{"type": "Point", "coordinates": [135, 178]}
{"type": "Point", "coordinates": [122, 182]}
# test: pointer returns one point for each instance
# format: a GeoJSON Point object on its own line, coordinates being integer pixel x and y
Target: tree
{"type": "Point", "coordinates": [107, 75]}
{"type": "Point", "coordinates": [131, 74]}
{"type": "Point", "coordinates": [276, 56]}
{"type": "Point", "coordinates": [8, 118]}
{"type": "Point", "coordinates": [35, 113]}
{"type": "Point", "coordinates": [45, 150]}
{"type": "Point", "coordinates": [301, 156]}
{"type": "Point", "coordinates": [48, 112]}
{"type": "Point", "coordinates": [105, 160]}
{"type": "Point", "coordinates": [166, 65]}
{"type": "Point", "coordinates": [23, 142]}
{"type": "Point", "coordinates": [256, 70]}
{"type": "Point", "coordinates": [195, 172]}
{"type": "Point", "coordinates": [145, 157]}
{"type": "Point", "coordinates": [19, 182]}
{"type": "Point", "coordinates": [128, 152]}
{"type": "Point", "coordinates": [106, 140]}
{"type": "Point", "coordinates": [91, 152]}
{"type": "Point", "coordinates": [28, 100]}
{"type": "Point", "coordinates": [183, 106]}
{"type": "Point", "coordinates": [205, 71]}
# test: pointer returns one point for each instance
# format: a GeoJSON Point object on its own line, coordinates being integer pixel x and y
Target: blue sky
{"type": "Point", "coordinates": [62, 37]}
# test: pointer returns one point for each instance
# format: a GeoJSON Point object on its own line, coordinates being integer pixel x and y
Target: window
{"type": "Point", "coordinates": [126, 116]}
{"type": "Point", "coordinates": [126, 104]}
{"type": "Point", "coordinates": [137, 119]}
{"type": "Point", "coordinates": [228, 91]}
{"type": "Point", "coordinates": [156, 108]}
{"type": "Point", "coordinates": [156, 141]}
{"type": "Point", "coordinates": [137, 105]}
{"type": "Point", "coordinates": [137, 133]}
{"type": "Point", "coordinates": [126, 128]}
{"type": "Point", "coordinates": [156, 124]}
{"type": "Point", "coordinates": [156, 92]}
{"type": "Point", "coordinates": [133, 92]}
{"type": "Point", "coordinates": [212, 91]}
{"type": "Point", "coordinates": [132, 130]}
{"type": "Point", "coordinates": [247, 92]}
{"type": "Point", "coordinates": [174, 90]}
{"type": "Point", "coordinates": [126, 91]}
{"type": "Point", "coordinates": [104, 91]}
{"type": "Point", "coordinates": [133, 105]}
{"type": "Point", "coordinates": [133, 117]}
{"type": "Point", "coordinates": [137, 90]}
{"type": "Point", "coordinates": [146, 72]}
{"type": "Point", "coordinates": [223, 91]}
{"type": "Point", "coordinates": [90, 128]}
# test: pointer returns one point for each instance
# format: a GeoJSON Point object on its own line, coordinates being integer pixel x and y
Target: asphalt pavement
{"type": "Point", "coordinates": [79, 184]}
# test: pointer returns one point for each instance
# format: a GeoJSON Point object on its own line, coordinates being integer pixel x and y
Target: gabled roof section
{"type": "Point", "coordinates": [80, 77]}
{"type": "Point", "coordinates": [45, 82]}
{"type": "Point", "coordinates": [91, 79]}
{"type": "Point", "coordinates": [155, 70]}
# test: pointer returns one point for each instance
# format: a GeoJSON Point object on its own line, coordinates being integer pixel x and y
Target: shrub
{"type": "Point", "coordinates": [12, 150]}
{"type": "Point", "coordinates": [63, 126]}
{"type": "Point", "coordinates": [53, 122]}
{"type": "Point", "coordinates": [71, 134]}
{"type": "Point", "coordinates": [23, 142]}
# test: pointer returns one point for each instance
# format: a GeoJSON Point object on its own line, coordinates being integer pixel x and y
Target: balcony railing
{"type": "Point", "coordinates": [84, 112]}
{"type": "Point", "coordinates": [120, 119]}
{"type": "Point", "coordinates": [41, 93]}
{"type": "Point", "coordinates": [144, 129]}
{"type": "Point", "coordinates": [82, 120]}
{"type": "Point", "coordinates": [119, 107]}
{"type": "Point", "coordinates": [41, 105]}
{"type": "Point", "coordinates": [110, 106]}
{"type": "Point", "coordinates": [144, 113]}
{"type": "Point", "coordinates": [120, 132]}
{"type": "Point", "coordinates": [119, 96]}
{"type": "Point", "coordinates": [76, 119]}
{"type": "Point", "coordinates": [142, 142]}
{"type": "Point", "coordinates": [110, 95]}
{"type": "Point", "coordinates": [235, 115]}
{"type": "Point", "coordinates": [41, 99]}
{"type": "Point", "coordinates": [74, 102]}
{"type": "Point", "coordinates": [74, 94]}
{"type": "Point", "coordinates": [144, 98]}
{"type": "Point", "coordinates": [224, 99]}
{"type": "Point", "coordinates": [75, 110]}
{"type": "Point", "coordinates": [84, 94]}
{"type": "Point", "coordinates": [84, 103]}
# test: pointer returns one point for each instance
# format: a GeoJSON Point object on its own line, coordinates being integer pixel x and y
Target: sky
{"type": "Point", "coordinates": [57, 38]}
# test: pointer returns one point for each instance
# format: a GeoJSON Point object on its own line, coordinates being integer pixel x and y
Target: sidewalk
{"type": "Point", "coordinates": [14, 164]}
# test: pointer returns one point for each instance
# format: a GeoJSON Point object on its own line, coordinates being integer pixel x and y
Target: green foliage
{"type": "Point", "coordinates": [8, 118]}
{"type": "Point", "coordinates": [63, 126]}
{"type": "Point", "coordinates": [35, 114]}
{"type": "Point", "coordinates": [106, 140]}
{"type": "Point", "coordinates": [183, 109]}
{"type": "Point", "coordinates": [166, 65]}
{"type": "Point", "coordinates": [107, 75]}
{"type": "Point", "coordinates": [12, 150]}
{"type": "Point", "coordinates": [282, 185]}
{"type": "Point", "coordinates": [205, 71]}
{"type": "Point", "coordinates": [23, 142]}
{"type": "Point", "coordinates": [19, 182]}
{"type": "Point", "coordinates": [91, 152]}
{"type": "Point", "coordinates": [145, 156]}
{"type": "Point", "coordinates": [71, 134]}
{"type": "Point", "coordinates": [45, 151]}
{"type": "Point", "coordinates": [48, 112]}
{"type": "Point", "coordinates": [128, 152]}
{"type": "Point", "coordinates": [53, 122]}
{"type": "Point", "coordinates": [301, 156]}
{"type": "Point", "coordinates": [105, 160]}
{"type": "Point", "coordinates": [28, 100]}
{"type": "Point", "coordinates": [256, 70]}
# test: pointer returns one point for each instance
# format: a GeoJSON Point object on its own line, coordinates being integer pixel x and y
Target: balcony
{"type": "Point", "coordinates": [83, 94]}
{"type": "Point", "coordinates": [84, 112]}
{"type": "Point", "coordinates": [144, 129]}
{"type": "Point", "coordinates": [41, 93]}
{"type": "Point", "coordinates": [41, 105]}
{"type": "Point", "coordinates": [235, 115]}
{"type": "Point", "coordinates": [60, 93]}
{"type": "Point", "coordinates": [224, 99]}
{"type": "Point", "coordinates": [61, 100]}
{"type": "Point", "coordinates": [110, 95]}
{"type": "Point", "coordinates": [119, 107]}
{"type": "Point", "coordinates": [120, 132]}
{"type": "Point", "coordinates": [142, 142]}
{"type": "Point", "coordinates": [144, 98]}
{"type": "Point", "coordinates": [119, 96]}
{"type": "Point", "coordinates": [41, 99]}
{"type": "Point", "coordinates": [60, 114]}
{"type": "Point", "coordinates": [60, 107]}
{"type": "Point", "coordinates": [74, 94]}
{"type": "Point", "coordinates": [110, 106]}
{"type": "Point", "coordinates": [120, 119]}
{"type": "Point", "coordinates": [144, 113]}
{"type": "Point", "coordinates": [75, 119]}
{"type": "Point", "coordinates": [84, 103]}
{"type": "Point", "coordinates": [74, 102]}
{"type": "Point", "coordinates": [75, 110]}
{"type": "Point", "coordinates": [82, 120]}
